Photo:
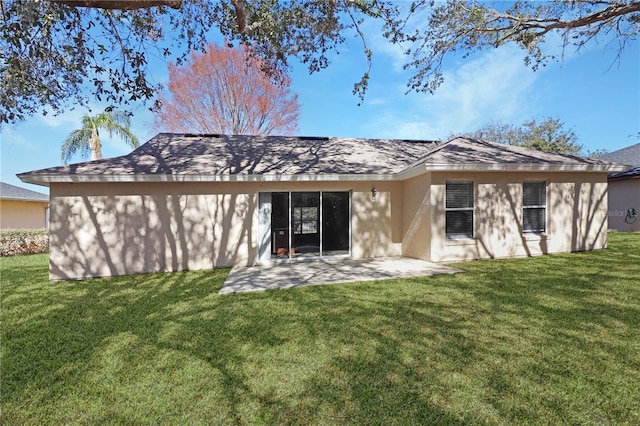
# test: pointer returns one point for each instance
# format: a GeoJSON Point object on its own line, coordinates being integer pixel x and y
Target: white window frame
{"type": "Point", "coordinates": [453, 209]}
{"type": "Point", "coordinates": [535, 207]}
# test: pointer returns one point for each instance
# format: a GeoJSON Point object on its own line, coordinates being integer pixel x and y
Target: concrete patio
{"type": "Point", "coordinates": [298, 274]}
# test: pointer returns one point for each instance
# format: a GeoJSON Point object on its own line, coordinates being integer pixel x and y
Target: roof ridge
{"type": "Point", "coordinates": [515, 148]}
{"type": "Point", "coordinates": [438, 147]}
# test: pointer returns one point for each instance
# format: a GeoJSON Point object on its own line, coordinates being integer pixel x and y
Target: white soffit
{"type": "Point", "coordinates": [45, 179]}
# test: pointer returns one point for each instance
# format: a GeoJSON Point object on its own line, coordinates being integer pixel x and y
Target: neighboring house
{"type": "Point", "coordinates": [204, 201]}
{"type": "Point", "coordinates": [22, 208]}
{"type": "Point", "coordinates": [624, 190]}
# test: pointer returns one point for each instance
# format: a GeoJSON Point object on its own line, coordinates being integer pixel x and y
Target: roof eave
{"type": "Point", "coordinates": [47, 179]}
{"type": "Point", "coordinates": [29, 200]}
{"type": "Point", "coordinates": [524, 167]}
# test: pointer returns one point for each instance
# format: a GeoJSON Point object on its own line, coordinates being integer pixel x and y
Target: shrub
{"type": "Point", "coordinates": [23, 241]}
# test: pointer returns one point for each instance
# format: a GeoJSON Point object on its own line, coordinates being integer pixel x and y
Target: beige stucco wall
{"type": "Point", "coordinates": [123, 228]}
{"type": "Point", "coordinates": [115, 229]}
{"type": "Point", "coordinates": [416, 217]}
{"type": "Point", "coordinates": [22, 214]}
{"type": "Point", "coordinates": [623, 195]}
{"type": "Point", "coordinates": [576, 215]}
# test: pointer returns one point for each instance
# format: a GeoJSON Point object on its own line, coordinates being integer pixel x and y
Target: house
{"type": "Point", "coordinates": [184, 201]}
{"type": "Point", "coordinates": [624, 190]}
{"type": "Point", "coordinates": [22, 208]}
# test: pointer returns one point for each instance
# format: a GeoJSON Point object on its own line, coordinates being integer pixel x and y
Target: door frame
{"type": "Point", "coordinates": [265, 229]}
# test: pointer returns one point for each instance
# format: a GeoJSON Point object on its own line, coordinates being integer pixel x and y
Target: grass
{"type": "Point", "coordinates": [545, 340]}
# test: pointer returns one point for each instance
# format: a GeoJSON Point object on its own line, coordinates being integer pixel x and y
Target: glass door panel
{"type": "Point", "coordinates": [335, 223]}
{"type": "Point", "coordinates": [280, 225]}
{"type": "Point", "coordinates": [305, 224]}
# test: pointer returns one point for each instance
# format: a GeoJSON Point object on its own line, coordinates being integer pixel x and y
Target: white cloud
{"type": "Point", "coordinates": [494, 86]}
{"type": "Point", "coordinates": [71, 118]}
{"type": "Point", "coordinates": [387, 52]}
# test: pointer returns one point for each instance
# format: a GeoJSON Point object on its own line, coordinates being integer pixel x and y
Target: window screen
{"type": "Point", "coordinates": [459, 210]}
{"type": "Point", "coordinates": [534, 207]}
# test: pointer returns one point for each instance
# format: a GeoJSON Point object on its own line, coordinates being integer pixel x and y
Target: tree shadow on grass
{"type": "Point", "coordinates": [88, 344]}
{"type": "Point", "coordinates": [494, 345]}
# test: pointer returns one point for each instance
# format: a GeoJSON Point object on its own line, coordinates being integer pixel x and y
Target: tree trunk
{"type": "Point", "coordinates": [120, 4]}
{"type": "Point", "coordinates": [96, 146]}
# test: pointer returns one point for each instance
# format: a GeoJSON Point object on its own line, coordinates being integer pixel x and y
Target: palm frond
{"type": "Point", "coordinates": [80, 140]}
{"type": "Point", "coordinates": [77, 141]}
{"type": "Point", "coordinates": [118, 123]}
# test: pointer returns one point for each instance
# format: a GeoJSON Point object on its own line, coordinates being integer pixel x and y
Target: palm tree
{"type": "Point", "coordinates": [87, 138]}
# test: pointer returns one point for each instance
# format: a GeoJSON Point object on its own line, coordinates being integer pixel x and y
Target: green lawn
{"type": "Point", "coordinates": [545, 340]}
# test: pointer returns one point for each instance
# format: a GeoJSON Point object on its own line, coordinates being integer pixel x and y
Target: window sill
{"type": "Point", "coordinates": [534, 236]}
{"type": "Point", "coordinates": [460, 242]}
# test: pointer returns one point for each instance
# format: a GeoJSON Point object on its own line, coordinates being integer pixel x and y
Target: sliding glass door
{"type": "Point", "coordinates": [305, 224]}
{"type": "Point", "coordinates": [280, 236]}
{"type": "Point", "coordinates": [336, 223]}
{"type": "Point", "coordinates": [298, 225]}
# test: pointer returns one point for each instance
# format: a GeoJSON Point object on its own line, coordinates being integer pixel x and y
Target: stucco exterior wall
{"type": "Point", "coordinates": [623, 195]}
{"type": "Point", "coordinates": [106, 229]}
{"type": "Point", "coordinates": [118, 229]}
{"type": "Point", "coordinates": [576, 215]}
{"type": "Point", "coordinates": [22, 214]}
{"type": "Point", "coordinates": [416, 217]}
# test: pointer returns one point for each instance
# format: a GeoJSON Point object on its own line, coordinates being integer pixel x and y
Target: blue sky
{"type": "Point", "coordinates": [593, 93]}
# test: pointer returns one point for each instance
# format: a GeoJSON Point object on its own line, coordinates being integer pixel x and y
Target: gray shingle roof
{"type": "Point", "coordinates": [632, 173]}
{"type": "Point", "coordinates": [208, 157]}
{"type": "Point", "coordinates": [12, 192]}
{"type": "Point", "coordinates": [629, 155]}
{"type": "Point", "coordinates": [466, 151]}
{"type": "Point", "coordinates": [220, 154]}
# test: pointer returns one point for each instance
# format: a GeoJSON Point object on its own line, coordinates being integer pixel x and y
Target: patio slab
{"type": "Point", "coordinates": [299, 274]}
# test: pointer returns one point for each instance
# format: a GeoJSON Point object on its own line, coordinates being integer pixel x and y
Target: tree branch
{"type": "Point", "coordinates": [120, 4]}
{"type": "Point", "coordinates": [546, 25]}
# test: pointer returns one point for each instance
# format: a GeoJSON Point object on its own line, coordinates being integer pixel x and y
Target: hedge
{"type": "Point", "coordinates": [23, 241]}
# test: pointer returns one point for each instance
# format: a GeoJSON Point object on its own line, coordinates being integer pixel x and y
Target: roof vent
{"type": "Point", "coordinates": [313, 138]}
{"type": "Point", "coordinates": [418, 141]}
{"type": "Point", "coordinates": [203, 135]}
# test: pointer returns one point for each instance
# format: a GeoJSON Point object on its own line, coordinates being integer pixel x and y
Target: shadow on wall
{"type": "Point", "coordinates": [104, 235]}
{"type": "Point", "coordinates": [500, 223]}
{"type": "Point", "coordinates": [372, 231]}
{"type": "Point", "coordinates": [589, 210]}
{"type": "Point", "coordinates": [575, 218]}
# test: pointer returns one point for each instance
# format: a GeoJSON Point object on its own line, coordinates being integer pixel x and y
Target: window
{"type": "Point", "coordinates": [534, 207]}
{"type": "Point", "coordinates": [305, 220]}
{"type": "Point", "coordinates": [459, 210]}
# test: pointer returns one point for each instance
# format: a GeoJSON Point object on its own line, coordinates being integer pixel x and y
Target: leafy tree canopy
{"type": "Point", "coordinates": [54, 54]}
{"type": "Point", "coordinates": [545, 135]}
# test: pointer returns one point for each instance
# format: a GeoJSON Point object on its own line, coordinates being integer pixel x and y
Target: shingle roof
{"type": "Point", "coordinates": [220, 154]}
{"type": "Point", "coordinates": [12, 192]}
{"type": "Point", "coordinates": [629, 155]}
{"type": "Point", "coordinates": [221, 157]}
{"type": "Point", "coordinates": [632, 173]}
{"type": "Point", "coordinates": [466, 151]}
